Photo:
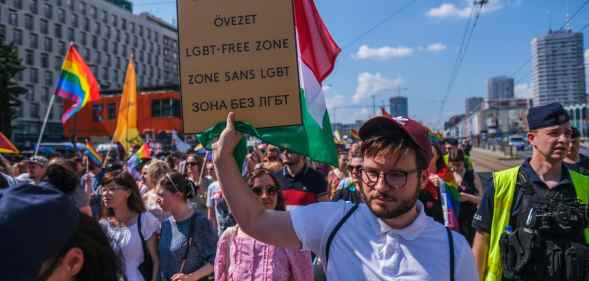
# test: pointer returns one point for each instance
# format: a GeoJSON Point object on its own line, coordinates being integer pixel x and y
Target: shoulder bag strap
{"type": "Point", "coordinates": [336, 229]}
{"type": "Point", "coordinates": [451, 246]}
{"type": "Point", "coordinates": [143, 246]}
{"type": "Point", "coordinates": [189, 243]}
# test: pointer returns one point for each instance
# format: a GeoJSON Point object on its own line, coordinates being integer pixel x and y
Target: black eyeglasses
{"type": "Point", "coordinates": [395, 179]}
{"type": "Point", "coordinates": [270, 190]}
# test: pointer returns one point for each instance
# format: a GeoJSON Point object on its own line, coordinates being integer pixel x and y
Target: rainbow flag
{"type": "Point", "coordinates": [6, 146]}
{"type": "Point", "coordinates": [135, 160]}
{"type": "Point", "coordinates": [76, 83]}
{"type": "Point", "coordinates": [450, 198]}
{"type": "Point", "coordinates": [92, 154]}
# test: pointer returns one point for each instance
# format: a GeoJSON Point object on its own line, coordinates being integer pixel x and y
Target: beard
{"type": "Point", "coordinates": [390, 212]}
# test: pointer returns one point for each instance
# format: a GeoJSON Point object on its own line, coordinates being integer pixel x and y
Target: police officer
{"type": "Point", "coordinates": [575, 160]}
{"type": "Point", "coordinates": [507, 204]}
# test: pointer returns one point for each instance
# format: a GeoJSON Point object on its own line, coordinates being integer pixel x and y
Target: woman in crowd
{"type": "Point", "coordinates": [338, 174]}
{"type": "Point", "coordinates": [430, 194]}
{"type": "Point", "coordinates": [154, 171]}
{"type": "Point", "coordinates": [187, 242]}
{"type": "Point", "coordinates": [200, 183]}
{"type": "Point", "coordinates": [350, 189]}
{"type": "Point", "coordinates": [470, 188]}
{"type": "Point", "coordinates": [132, 230]}
{"type": "Point", "coordinates": [241, 257]}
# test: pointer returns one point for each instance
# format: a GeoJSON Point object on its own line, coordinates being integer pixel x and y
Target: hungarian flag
{"type": "Point", "coordinates": [317, 54]}
{"type": "Point", "coordinates": [6, 146]}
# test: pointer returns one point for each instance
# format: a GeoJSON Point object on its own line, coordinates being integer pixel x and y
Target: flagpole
{"type": "Point", "coordinates": [44, 124]}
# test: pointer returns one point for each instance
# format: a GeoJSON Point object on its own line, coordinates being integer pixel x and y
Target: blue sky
{"type": "Point", "coordinates": [416, 50]}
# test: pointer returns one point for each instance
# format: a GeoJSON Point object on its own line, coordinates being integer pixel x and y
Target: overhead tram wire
{"type": "Point", "coordinates": [465, 43]}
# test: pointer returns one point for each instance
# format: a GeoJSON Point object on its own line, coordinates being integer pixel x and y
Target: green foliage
{"type": "Point", "coordinates": [10, 90]}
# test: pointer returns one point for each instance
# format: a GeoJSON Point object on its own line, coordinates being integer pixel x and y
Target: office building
{"type": "Point", "coordinates": [105, 32]}
{"type": "Point", "coordinates": [472, 103]}
{"type": "Point", "coordinates": [559, 70]}
{"type": "Point", "coordinates": [398, 106]}
{"type": "Point", "coordinates": [500, 88]}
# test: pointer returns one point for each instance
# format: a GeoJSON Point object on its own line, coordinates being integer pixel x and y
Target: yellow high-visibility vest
{"type": "Point", "coordinates": [505, 183]}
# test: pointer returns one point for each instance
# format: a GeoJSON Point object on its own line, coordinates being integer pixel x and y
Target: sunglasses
{"type": "Point", "coordinates": [355, 169]}
{"type": "Point", "coordinates": [270, 190]}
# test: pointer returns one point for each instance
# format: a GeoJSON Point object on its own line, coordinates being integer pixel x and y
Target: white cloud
{"type": "Point", "coordinates": [383, 53]}
{"type": "Point", "coordinates": [523, 91]}
{"type": "Point", "coordinates": [449, 10]}
{"type": "Point", "coordinates": [371, 84]}
{"type": "Point", "coordinates": [436, 47]}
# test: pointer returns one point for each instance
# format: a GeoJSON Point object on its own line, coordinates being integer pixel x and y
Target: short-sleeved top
{"type": "Point", "coordinates": [216, 200]}
{"type": "Point", "coordinates": [368, 249]}
{"type": "Point", "coordinates": [520, 208]}
{"type": "Point", "coordinates": [174, 241]}
{"type": "Point", "coordinates": [126, 242]}
{"type": "Point", "coordinates": [304, 188]}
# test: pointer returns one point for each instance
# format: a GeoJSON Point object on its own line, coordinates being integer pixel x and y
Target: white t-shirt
{"type": "Point", "coordinates": [365, 248]}
{"type": "Point", "coordinates": [126, 242]}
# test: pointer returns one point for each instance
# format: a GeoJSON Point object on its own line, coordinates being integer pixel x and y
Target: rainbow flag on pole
{"type": "Point", "coordinates": [135, 160]}
{"type": "Point", "coordinates": [6, 146]}
{"type": "Point", "coordinates": [92, 154]}
{"type": "Point", "coordinates": [76, 83]}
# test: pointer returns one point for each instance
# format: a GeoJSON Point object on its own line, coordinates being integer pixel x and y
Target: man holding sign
{"type": "Point", "coordinates": [389, 237]}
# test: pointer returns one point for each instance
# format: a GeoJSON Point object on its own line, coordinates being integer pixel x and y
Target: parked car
{"type": "Point", "coordinates": [518, 142]}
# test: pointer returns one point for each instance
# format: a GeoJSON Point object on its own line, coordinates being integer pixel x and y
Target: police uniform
{"type": "Point", "coordinates": [507, 205]}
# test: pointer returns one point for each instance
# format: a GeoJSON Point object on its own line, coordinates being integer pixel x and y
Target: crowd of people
{"type": "Point", "coordinates": [402, 204]}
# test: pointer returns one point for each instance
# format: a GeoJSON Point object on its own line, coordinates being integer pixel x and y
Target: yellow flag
{"type": "Point", "coordinates": [126, 132]}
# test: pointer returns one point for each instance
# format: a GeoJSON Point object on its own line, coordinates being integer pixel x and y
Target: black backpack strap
{"type": "Point", "coordinates": [451, 246]}
{"type": "Point", "coordinates": [336, 229]}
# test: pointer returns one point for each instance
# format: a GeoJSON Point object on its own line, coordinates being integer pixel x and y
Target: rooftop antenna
{"type": "Point", "coordinates": [567, 19]}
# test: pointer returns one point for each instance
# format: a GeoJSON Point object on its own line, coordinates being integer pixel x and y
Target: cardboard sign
{"type": "Point", "coordinates": [238, 56]}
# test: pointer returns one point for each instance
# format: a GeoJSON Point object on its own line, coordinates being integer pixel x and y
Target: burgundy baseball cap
{"type": "Point", "coordinates": [388, 127]}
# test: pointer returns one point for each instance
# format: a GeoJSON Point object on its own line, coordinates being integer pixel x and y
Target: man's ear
{"type": "Point", "coordinates": [73, 261]}
{"type": "Point", "coordinates": [423, 178]}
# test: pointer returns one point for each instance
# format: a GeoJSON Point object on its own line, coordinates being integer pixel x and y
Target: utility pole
{"type": "Point", "coordinates": [373, 105]}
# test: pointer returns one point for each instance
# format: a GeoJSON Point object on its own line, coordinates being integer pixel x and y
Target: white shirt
{"type": "Point", "coordinates": [366, 248]}
{"type": "Point", "coordinates": [126, 242]}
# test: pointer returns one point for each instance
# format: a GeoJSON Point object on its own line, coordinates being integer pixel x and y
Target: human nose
{"type": "Point", "coordinates": [381, 185]}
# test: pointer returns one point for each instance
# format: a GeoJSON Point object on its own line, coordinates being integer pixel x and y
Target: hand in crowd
{"type": "Point", "coordinates": [183, 277]}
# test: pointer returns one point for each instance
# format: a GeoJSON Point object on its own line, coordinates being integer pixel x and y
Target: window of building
{"type": "Point", "coordinates": [30, 94]}
{"type": "Point", "coordinates": [33, 40]}
{"type": "Point", "coordinates": [135, 41]}
{"type": "Point", "coordinates": [17, 38]}
{"type": "Point", "coordinates": [94, 42]}
{"type": "Point", "coordinates": [62, 47]}
{"type": "Point", "coordinates": [105, 45]}
{"type": "Point", "coordinates": [75, 20]}
{"type": "Point", "coordinates": [18, 4]}
{"type": "Point", "coordinates": [93, 11]}
{"type": "Point", "coordinates": [118, 35]}
{"type": "Point", "coordinates": [29, 22]}
{"type": "Point", "coordinates": [35, 110]}
{"type": "Point", "coordinates": [45, 95]}
{"type": "Point", "coordinates": [48, 44]}
{"type": "Point", "coordinates": [86, 24]}
{"type": "Point", "coordinates": [57, 31]}
{"type": "Point", "coordinates": [107, 32]}
{"type": "Point", "coordinates": [30, 57]}
{"type": "Point", "coordinates": [105, 74]}
{"type": "Point", "coordinates": [70, 3]}
{"type": "Point", "coordinates": [44, 60]}
{"type": "Point", "coordinates": [83, 8]}
{"type": "Point", "coordinates": [97, 112]}
{"type": "Point", "coordinates": [83, 38]}
{"type": "Point", "coordinates": [59, 2]}
{"type": "Point", "coordinates": [141, 30]}
{"type": "Point", "coordinates": [165, 108]}
{"type": "Point", "coordinates": [57, 63]}
{"type": "Point", "coordinates": [98, 58]}
{"type": "Point", "coordinates": [111, 109]}
{"type": "Point", "coordinates": [34, 6]}
{"type": "Point", "coordinates": [104, 16]}
{"type": "Point", "coordinates": [124, 24]}
{"type": "Point", "coordinates": [48, 78]}
{"type": "Point", "coordinates": [97, 28]}
{"type": "Point", "coordinates": [13, 18]}
{"type": "Point", "coordinates": [44, 27]}
{"type": "Point", "coordinates": [71, 34]}
{"type": "Point", "coordinates": [127, 38]}
{"type": "Point", "coordinates": [48, 11]}
{"type": "Point", "coordinates": [61, 15]}
{"type": "Point", "coordinates": [115, 48]}
{"type": "Point", "coordinates": [34, 75]}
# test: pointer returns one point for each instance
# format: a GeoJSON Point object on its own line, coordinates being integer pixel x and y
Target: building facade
{"type": "Point", "coordinates": [500, 88]}
{"type": "Point", "coordinates": [398, 106]}
{"type": "Point", "coordinates": [559, 70]}
{"type": "Point", "coordinates": [105, 33]}
{"type": "Point", "coordinates": [472, 103]}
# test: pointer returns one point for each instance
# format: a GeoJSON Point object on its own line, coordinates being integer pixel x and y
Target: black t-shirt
{"type": "Point", "coordinates": [520, 208]}
{"type": "Point", "coordinates": [304, 188]}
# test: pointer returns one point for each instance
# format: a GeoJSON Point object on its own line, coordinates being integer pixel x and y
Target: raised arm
{"type": "Point", "coordinates": [269, 226]}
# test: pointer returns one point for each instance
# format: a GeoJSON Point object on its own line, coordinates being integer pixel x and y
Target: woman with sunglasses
{"type": "Point", "coordinates": [131, 229]}
{"type": "Point", "coordinates": [241, 257]}
{"type": "Point", "coordinates": [350, 189]}
{"type": "Point", "coordinates": [187, 242]}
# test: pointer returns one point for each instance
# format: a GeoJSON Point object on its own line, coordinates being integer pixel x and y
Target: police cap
{"type": "Point", "coordinates": [546, 115]}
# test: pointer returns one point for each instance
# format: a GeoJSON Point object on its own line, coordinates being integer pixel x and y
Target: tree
{"type": "Point", "coordinates": [10, 90]}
